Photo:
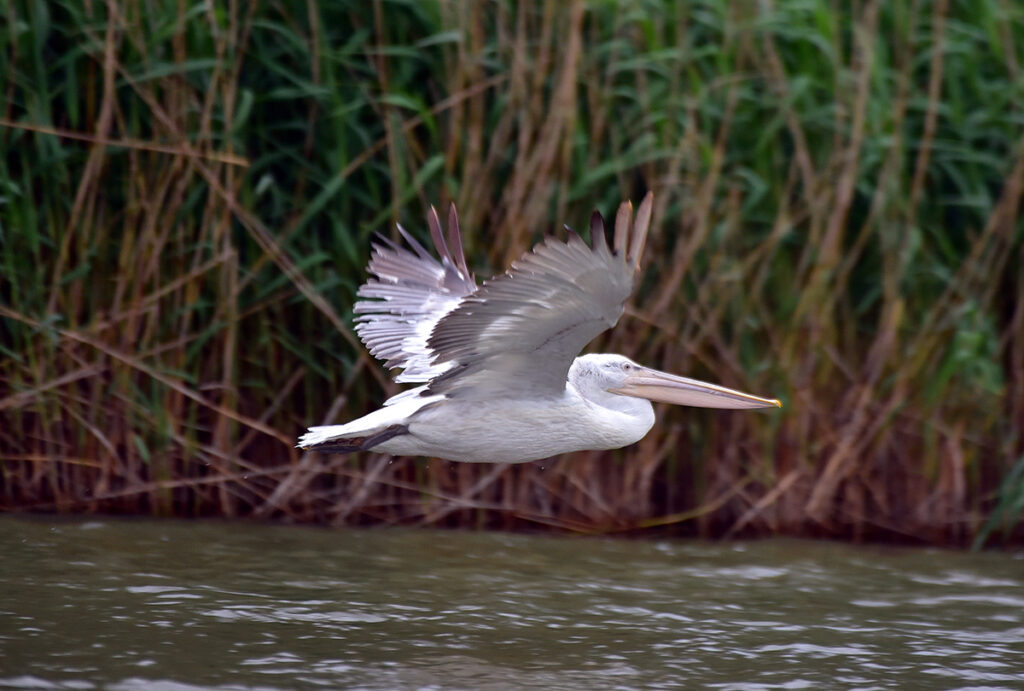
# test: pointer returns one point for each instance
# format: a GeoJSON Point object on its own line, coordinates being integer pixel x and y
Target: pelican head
{"type": "Point", "coordinates": [619, 375]}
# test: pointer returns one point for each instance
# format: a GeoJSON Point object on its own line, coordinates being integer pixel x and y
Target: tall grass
{"type": "Point", "coordinates": [187, 194]}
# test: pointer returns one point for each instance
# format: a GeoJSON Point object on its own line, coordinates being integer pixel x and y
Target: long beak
{"type": "Point", "coordinates": [668, 388]}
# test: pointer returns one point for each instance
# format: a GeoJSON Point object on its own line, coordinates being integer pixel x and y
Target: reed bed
{"type": "Point", "coordinates": [188, 192]}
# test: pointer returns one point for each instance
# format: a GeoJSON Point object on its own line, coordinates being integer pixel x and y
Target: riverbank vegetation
{"type": "Point", "coordinates": [188, 193]}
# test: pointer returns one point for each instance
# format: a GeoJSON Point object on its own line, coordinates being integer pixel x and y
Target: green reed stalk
{"type": "Point", "coordinates": [188, 192]}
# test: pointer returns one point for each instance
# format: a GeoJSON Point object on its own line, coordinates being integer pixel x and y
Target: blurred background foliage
{"type": "Point", "coordinates": [188, 193]}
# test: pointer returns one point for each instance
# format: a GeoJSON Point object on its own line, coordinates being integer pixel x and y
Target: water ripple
{"type": "Point", "coordinates": [212, 606]}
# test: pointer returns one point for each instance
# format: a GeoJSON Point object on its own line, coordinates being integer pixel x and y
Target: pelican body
{"type": "Point", "coordinates": [499, 380]}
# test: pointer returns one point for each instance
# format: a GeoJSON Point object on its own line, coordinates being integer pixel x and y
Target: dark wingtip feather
{"type": "Point", "coordinates": [573, 235]}
{"type": "Point", "coordinates": [597, 238]}
{"type": "Point", "coordinates": [455, 241]}
{"type": "Point", "coordinates": [436, 235]}
{"type": "Point", "coordinates": [623, 221]}
{"type": "Point", "coordinates": [382, 241]}
{"type": "Point", "coordinates": [638, 238]}
{"type": "Point", "coordinates": [416, 246]}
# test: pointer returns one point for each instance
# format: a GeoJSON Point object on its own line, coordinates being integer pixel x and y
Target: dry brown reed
{"type": "Point", "coordinates": [190, 192]}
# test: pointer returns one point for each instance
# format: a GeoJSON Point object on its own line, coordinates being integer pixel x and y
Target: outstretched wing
{"type": "Point", "coordinates": [409, 295]}
{"type": "Point", "coordinates": [521, 331]}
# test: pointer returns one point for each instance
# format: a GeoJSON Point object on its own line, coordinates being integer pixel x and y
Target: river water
{"type": "Point", "coordinates": [119, 604]}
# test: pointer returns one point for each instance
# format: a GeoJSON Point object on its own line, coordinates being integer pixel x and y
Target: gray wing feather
{"type": "Point", "coordinates": [523, 329]}
{"type": "Point", "coordinates": [410, 293]}
{"type": "Point", "coordinates": [520, 330]}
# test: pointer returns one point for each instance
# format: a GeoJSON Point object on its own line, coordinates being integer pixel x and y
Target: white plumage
{"type": "Point", "coordinates": [500, 380]}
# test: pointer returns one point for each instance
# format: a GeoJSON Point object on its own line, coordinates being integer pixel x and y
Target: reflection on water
{"type": "Point", "coordinates": [139, 604]}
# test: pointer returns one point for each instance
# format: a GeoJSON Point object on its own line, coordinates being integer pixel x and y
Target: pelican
{"type": "Point", "coordinates": [496, 365]}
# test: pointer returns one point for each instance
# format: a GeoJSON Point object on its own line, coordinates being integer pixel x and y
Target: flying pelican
{"type": "Point", "coordinates": [499, 380]}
